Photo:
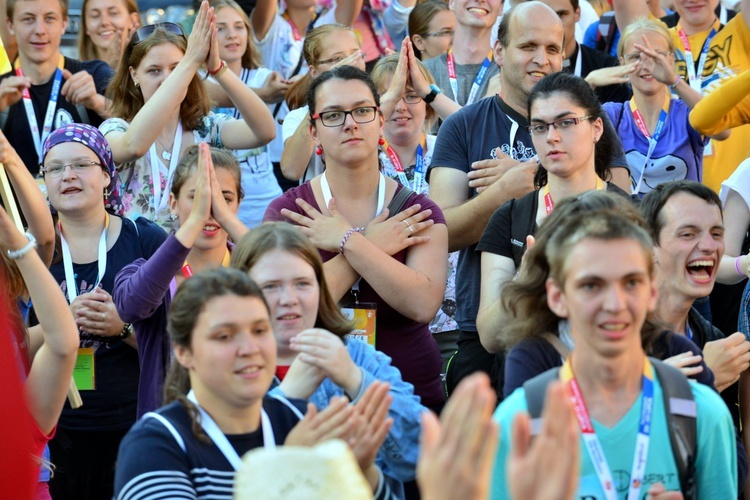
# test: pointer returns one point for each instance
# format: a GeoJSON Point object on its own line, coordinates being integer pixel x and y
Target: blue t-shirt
{"type": "Point", "coordinates": [678, 154]}
{"type": "Point", "coordinates": [716, 463]}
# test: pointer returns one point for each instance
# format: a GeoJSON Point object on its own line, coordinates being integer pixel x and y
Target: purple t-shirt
{"type": "Point", "coordinates": [408, 343]}
{"type": "Point", "coordinates": [678, 154]}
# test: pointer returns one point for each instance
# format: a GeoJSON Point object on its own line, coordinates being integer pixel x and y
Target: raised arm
{"type": "Point", "coordinates": [31, 201]}
{"type": "Point", "coordinates": [347, 11]}
{"type": "Point", "coordinates": [728, 106]}
{"type": "Point", "coordinates": [151, 119]}
{"type": "Point", "coordinates": [298, 149]}
{"type": "Point", "coordinates": [257, 128]}
{"type": "Point", "coordinates": [49, 377]}
{"type": "Point", "coordinates": [737, 219]}
{"type": "Point", "coordinates": [627, 11]}
{"type": "Point", "coordinates": [262, 17]}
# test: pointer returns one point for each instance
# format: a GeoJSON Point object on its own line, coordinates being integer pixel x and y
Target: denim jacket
{"type": "Point", "coordinates": [397, 457]}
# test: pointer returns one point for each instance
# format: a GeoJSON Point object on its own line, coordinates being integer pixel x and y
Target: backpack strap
{"type": "Point", "coordinates": [536, 390]}
{"type": "Point", "coordinates": [606, 32]}
{"type": "Point", "coordinates": [397, 203]}
{"type": "Point", "coordinates": [681, 411]}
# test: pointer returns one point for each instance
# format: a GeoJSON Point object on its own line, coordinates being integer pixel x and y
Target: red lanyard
{"type": "Point", "coordinates": [187, 271]}
{"type": "Point", "coordinates": [549, 204]}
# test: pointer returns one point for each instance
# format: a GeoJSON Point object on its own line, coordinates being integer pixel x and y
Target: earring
{"type": "Point", "coordinates": [106, 193]}
{"type": "Point", "coordinates": [319, 150]}
{"type": "Point", "coordinates": [137, 85]}
{"type": "Point", "coordinates": [173, 216]}
{"type": "Point", "coordinates": [381, 141]}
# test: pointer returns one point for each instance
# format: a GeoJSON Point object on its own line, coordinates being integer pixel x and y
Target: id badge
{"type": "Point", "coordinates": [84, 373]}
{"type": "Point", "coordinates": [364, 315]}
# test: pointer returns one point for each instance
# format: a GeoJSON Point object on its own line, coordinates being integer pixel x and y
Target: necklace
{"type": "Point", "coordinates": [165, 154]}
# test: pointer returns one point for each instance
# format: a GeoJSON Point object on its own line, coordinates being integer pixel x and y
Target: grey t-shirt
{"type": "Point", "coordinates": [465, 75]}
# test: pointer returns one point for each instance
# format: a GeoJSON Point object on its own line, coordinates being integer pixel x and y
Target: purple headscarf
{"type": "Point", "coordinates": [94, 140]}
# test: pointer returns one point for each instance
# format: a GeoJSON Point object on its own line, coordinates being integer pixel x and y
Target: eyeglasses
{"type": "Point", "coordinates": [637, 55]}
{"type": "Point", "coordinates": [338, 59]}
{"type": "Point", "coordinates": [364, 114]}
{"type": "Point", "coordinates": [440, 34]}
{"type": "Point", "coordinates": [410, 98]}
{"type": "Point", "coordinates": [77, 167]}
{"type": "Point", "coordinates": [541, 128]}
{"type": "Point", "coordinates": [145, 31]}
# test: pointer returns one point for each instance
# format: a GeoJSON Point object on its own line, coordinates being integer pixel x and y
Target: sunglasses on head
{"type": "Point", "coordinates": [145, 31]}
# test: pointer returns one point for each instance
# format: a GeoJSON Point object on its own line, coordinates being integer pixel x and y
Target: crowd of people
{"type": "Point", "coordinates": [490, 248]}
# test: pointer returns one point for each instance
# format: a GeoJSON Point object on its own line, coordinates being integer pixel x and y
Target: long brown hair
{"type": "Point", "coordinates": [283, 236]}
{"type": "Point", "coordinates": [127, 99]}
{"type": "Point", "coordinates": [594, 214]}
{"type": "Point", "coordinates": [86, 49]}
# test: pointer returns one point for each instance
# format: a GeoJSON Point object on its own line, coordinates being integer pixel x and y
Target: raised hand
{"type": "Point", "coordinates": [661, 66]}
{"type": "Point", "coordinates": [687, 362]}
{"type": "Point", "coordinates": [200, 212]}
{"type": "Point", "coordinates": [316, 427]}
{"type": "Point", "coordinates": [199, 41]}
{"type": "Point", "coordinates": [11, 90]}
{"type": "Point", "coordinates": [727, 358]}
{"type": "Point", "coordinates": [366, 439]}
{"type": "Point", "coordinates": [398, 82]}
{"type": "Point", "coordinates": [10, 237]}
{"type": "Point", "coordinates": [327, 352]}
{"type": "Point", "coordinates": [611, 76]}
{"type": "Point", "coordinates": [213, 59]}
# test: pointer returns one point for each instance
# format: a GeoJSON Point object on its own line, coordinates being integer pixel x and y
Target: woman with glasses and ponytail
{"type": "Point", "coordinates": [384, 246]}
{"type": "Point", "coordinates": [162, 110]}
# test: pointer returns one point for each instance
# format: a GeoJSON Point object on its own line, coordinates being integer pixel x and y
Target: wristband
{"type": "Point", "coordinates": [127, 332]}
{"type": "Point", "coordinates": [347, 235]}
{"type": "Point", "coordinates": [738, 268]}
{"type": "Point", "coordinates": [17, 254]}
{"type": "Point", "coordinates": [676, 81]}
{"type": "Point", "coordinates": [222, 68]}
{"type": "Point", "coordinates": [434, 91]}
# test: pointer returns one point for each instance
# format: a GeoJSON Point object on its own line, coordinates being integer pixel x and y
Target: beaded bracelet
{"type": "Point", "coordinates": [17, 254]}
{"type": "Point", "coordinates": [347, 235]}
{"type": "Point", "coordinates": [738, 268]}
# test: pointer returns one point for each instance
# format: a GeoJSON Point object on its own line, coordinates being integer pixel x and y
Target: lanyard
{"type": "Point", "coordinates": [477, 81]}
{"type": "Point", "coordinates": [160, 202]}
{"type": "Point", "coordinates": [549, 204]}
{"type": "Point", "coordinates": [652, 139]}
{"type": "Point", "coordinates": [187, 271]}
{"type": "Point", "coordinates": [419, 169]}
{"type": "Point", "coordinates": [579, 64]}
{"type": "Point", "coordinates": [295, 31]}
{"type": "Point", "coordinates": [220, 439]}
{"type": "Point", "coordinates": [695, 78]}
{"type": "Point", "coordinates": [327, 192]}
{"type": "Point", "coordinates": [49, 115]}
{"type": "Point", "coordinates": [594, 446]}
{"type": "Point", "coordinates": [70, 277]}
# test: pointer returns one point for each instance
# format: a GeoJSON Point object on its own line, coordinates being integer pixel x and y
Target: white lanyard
{"type": "Point", "coordinates": [70, 277]}
{"type": "Point", "coordinates": [221, 441]}
{"type": "Point", "coordinates": [512, 137]}
{"type": "Point", "coordinates": [695, 78]}
{"type": "Point", "coordinates": [36, 136]}
{"type": "Point", "coordinates": [453, 79]}
{"type": "Point", "coordinates": [327, 192]}
{"type": "Point", "coordinates": [160, 202]}
{"type": "Point", "coordinates": [577, 70]}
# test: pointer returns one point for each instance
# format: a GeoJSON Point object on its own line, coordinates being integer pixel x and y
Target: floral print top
{"type": "Point", "coordinates": [136, 185]}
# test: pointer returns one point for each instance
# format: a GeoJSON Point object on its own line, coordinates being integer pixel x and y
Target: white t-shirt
{"type": "Point", "coordinates": [292, 121]}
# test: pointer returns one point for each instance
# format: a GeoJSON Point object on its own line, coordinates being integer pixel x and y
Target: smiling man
{"type": "Point", "coordinates": [484, 157]}
{"type": "Point", "coordinates": [58, 90]}
{"type": "Point", "coordinates": [687, 226]}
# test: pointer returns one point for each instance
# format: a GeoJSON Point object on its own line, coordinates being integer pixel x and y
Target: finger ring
{"type": "Point", "coordinates": [406, 222]}
{"type": "Point", "coordinates": [411, 229]}
{"type": "Point", "coordinates": [103, 316]}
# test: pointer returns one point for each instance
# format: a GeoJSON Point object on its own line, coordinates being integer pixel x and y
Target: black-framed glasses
{"type": "Point", "coordinates": [541, 128]}
{"type": "Point", "coordinates": [363, 114]}
{"type": "Point", "coordinates": [440, 34]}
{"type": "Point", "coordinates": [635, 56]}
{"type": "Point", "coordinates": [145, 31]}
{"type": "Point", "coordinates": [77, 167]}
{"type": "Point", "coordinates": [338, 59]}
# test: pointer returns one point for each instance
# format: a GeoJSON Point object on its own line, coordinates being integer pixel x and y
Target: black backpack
{"type": "Point", "coordinates": [681, 416]}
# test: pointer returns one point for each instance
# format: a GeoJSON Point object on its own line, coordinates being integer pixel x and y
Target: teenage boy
{"type": "Point", "coordinates": [45, 90]}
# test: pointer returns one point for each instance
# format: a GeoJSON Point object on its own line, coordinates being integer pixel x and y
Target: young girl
{"type": "Point", "coordinates": [431, 27]}
{"type": "Point", "coordinates": [225, 357]}
{"type": "Point", "coordinates": [575, 151]}
{"type": "Point", "coordinates": [162, 109]}
{"type": "Point", "coordinates": [106, 28]}
{"type": "Point", "coordinates": [657, 137]}
{"type": "Point", "coordinates": [237, 49]}
{"type": "Point", "coordinates": [205, 196]}
{"type": "Point", "coordinates": [318, 358]}
{"type": "Point", "coordinates": [94, 244]}
{"type": "Point", "coordinates": [401, 259]}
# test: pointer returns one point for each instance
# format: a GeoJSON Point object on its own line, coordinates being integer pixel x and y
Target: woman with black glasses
{"type": "Point", "coordinates": [384, 246]}
{"type": "Point", "coordinates": [162, 110]}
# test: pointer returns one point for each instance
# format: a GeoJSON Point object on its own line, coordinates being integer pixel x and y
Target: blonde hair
{"type": "Point", "coordinates": [251, 57]}
{"type": "Point", "coordinates": [386, 67]}
{"type": "Point", "coordinates": [86, 48]}
{"type": "Point", "coordinates": [644, 24]}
